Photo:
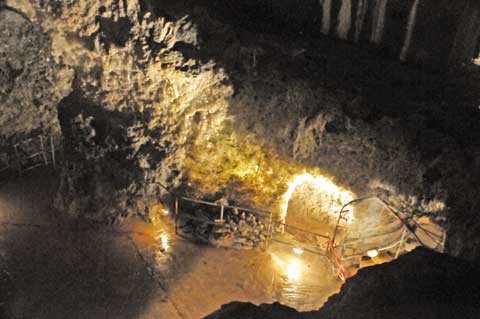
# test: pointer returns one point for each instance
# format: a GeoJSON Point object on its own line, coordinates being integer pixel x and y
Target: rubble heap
{"type": "Point", "coordinates": [239, 230]}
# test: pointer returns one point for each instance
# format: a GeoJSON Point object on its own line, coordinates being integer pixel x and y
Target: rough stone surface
{"type": "Point", "coordinates": [171, 94]}
{"type": "Point", "coordinates": [31, 85]}
{"type": "Point", "coordinates": [239, 230]}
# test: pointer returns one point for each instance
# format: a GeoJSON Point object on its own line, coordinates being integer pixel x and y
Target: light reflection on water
{"type": "Point", "coordinates": [300, 280]}
{"type": "Point", "coordinates": [294, 270]}
{"type": "Point", "coordinates": [164, 240]}
{"type": "Point", "coordinates": [296, 278]}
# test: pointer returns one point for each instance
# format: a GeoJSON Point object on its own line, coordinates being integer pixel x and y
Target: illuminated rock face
{"type": "Point", "coordinates": [142, 101]}
{"type": "Point", "coordinates": [178, 96]}
{"type": "Point", "coordinates": [31, 85]}
{"type": "Point", "coordinates": [314, 201]}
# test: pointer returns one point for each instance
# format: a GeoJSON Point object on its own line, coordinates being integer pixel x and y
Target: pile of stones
{"type": "Point", "coordinates": [240, 230]}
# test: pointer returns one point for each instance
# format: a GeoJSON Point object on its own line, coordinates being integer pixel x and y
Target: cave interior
{"type": "Point", "coordinates": [193, 159]}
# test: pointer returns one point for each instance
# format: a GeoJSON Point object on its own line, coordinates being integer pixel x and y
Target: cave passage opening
{"type": "Point", "coordinates": [312, 202]}
{"type": "Point", "coordinates": [321, 217]}
{"type": "Point", "coordinates": [327, 234]}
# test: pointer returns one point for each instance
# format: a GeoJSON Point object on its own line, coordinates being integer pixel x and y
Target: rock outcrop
{"type": "Point", "coordinates": [31, 84]}
{"type": "Point", "coordinates": [182, 96]}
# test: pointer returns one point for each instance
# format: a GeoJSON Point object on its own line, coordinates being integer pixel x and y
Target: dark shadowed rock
{"type": "Point", "coordinates": [239, 310]}
{"type": "Point", "coordinates": [184, 94]}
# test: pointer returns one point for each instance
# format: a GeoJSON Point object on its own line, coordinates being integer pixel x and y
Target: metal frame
{"type": "Point", "coordinates": [267, 216]}
{"type": "Point", "coordinates": [7, 166]}
{"type": "Point", "coordinates": [331, 252]}
{"type": "Point", "coordinates": [23, 158]}
{"type": "Point", "coordinates": [410, 225]}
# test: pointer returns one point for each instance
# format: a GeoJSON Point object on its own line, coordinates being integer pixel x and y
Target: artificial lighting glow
{"type": "Point", "coordinates": [324, 185]}
{"type": "Point", "coordinates": [372, 253]}
{"type": "Point", "coordinates": [294, 269]}
{"type": "Point", "coordinates": [298, 251]}
{"type": "Point", "coordinates": [165, 211]}
{"type": "Point", "coordinates": [164, 241]}
{"type": "Point", "coordinates": [248, 170]}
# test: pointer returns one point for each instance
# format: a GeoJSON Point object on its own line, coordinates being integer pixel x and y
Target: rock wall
{"type": "Point", "coordinates": [31, 85]}
{"type": "Point", "coordinates": [174, 94]}
{"type": "Point", "coordinates": [137, 104]}
{"type": "Point", "coordinates": [426, 32]}
{"type": "Point", "coordinates": [466, 44]}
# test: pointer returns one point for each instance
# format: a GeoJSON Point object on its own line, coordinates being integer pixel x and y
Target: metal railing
{"type": "Point", "coordinates": [408, 226]}
{"type": "Point", "coordinates": [318, 243]}
{"type": "Point", "coordinates": [329, 248]}
{"type": "Point", "coordinates": [266, 216]}
{"type": "Point", "coordinates": [34, 152]}
{"type": "Point", "coordinates": [5, 162]}
{"type": "Point", "coordinates": [340, 271]}
{"type": "Point", "coordinates": [221, 213]}
{"type": "Point", "coordinates": [28, 154]}
{"type": "Point", "coordinates": [361, 252]}
{"type": "Point", "coordinates": [411, 225]}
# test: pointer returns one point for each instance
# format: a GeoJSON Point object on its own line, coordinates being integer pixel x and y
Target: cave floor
{"type": "Point", "coordinates": [54, 268]}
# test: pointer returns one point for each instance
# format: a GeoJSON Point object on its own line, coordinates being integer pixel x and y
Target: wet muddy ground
{"type": "Point", "coordinates": [53, 267]}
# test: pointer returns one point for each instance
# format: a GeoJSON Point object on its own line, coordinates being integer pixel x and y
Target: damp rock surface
{"type": "Point", "coordinates": [175, 95]}
{"type": "Point", "coordinates": [193, 98]}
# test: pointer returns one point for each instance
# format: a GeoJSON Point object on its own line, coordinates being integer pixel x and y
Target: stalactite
{"type": "Point", "coordinates": [326, 17]}
{"type": "Point", "coordinates": [410, 27]}
{"type": "Point", "coordinates": [360, 18]}
{"type": "Point", "coordinates": [344, 19]}
{"type": "Point", "coordinates": [381, 21]}
{"type": "Point", "coordinates": [378, 22]}
{"type": "Point", "coordinates": [374, 18]}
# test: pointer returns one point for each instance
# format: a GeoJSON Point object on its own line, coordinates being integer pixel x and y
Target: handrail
{"type": "Point", "coordinates": [395, 213]}
{"type": "Point", "coordinates": [16, 11]}
{"type": "Point", "coordinates": [342, 273]}
{"type": "Point", "coordinates": [358, 240]}
{"type": "Point", "coordinates": [303, 248]}
{"type": "Point", "coordinates": [417, 226]}
{"type": "Point", "coordinates": [37, 151]}
{"type": "Point", "coordinates": [389, 246]}
{"type": "Point", "coordinates": [259, 212]}
{"type": "Point", "coordinates": [250, 210]}
{"type": "Point", "coordinates": [302, 230]}
{"type": "Point", "coordinates": [265, 213]}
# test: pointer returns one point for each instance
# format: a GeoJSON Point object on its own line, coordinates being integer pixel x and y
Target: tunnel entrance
{"type": "Point", "coordinates": [312, 208]}
{"type": "Point", "coordinates": [312, 203]}
{"type": "Point", "coordinates": [325, 219]}
{"type": "Point", "coordinates": [322, 236]}
{"type": "Point", "coordinates": [309, 209]}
